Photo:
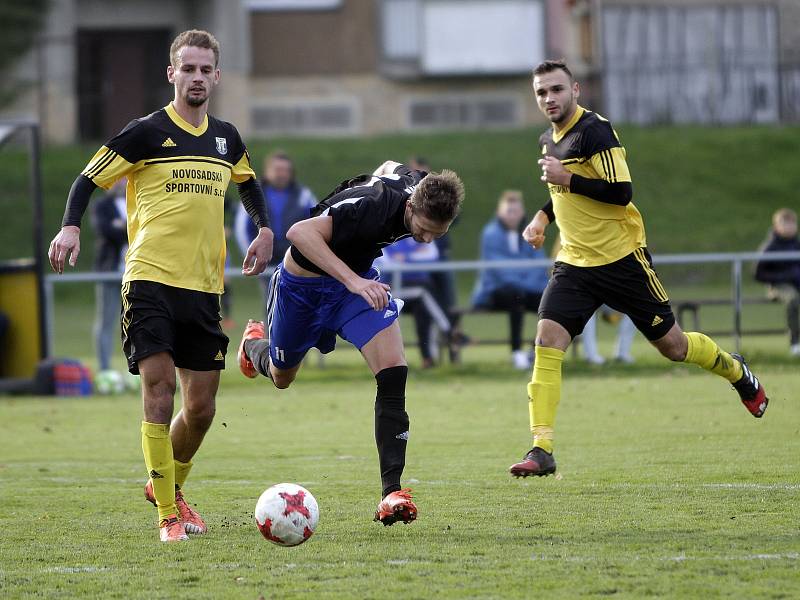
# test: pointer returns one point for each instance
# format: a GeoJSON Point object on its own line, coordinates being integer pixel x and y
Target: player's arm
{"type": "Point", "coordinates": [67, 242]}
{"type": "Point", "coordinates": [312, 237]}
{"type": "Point", "coordinates": [259, 252]}
{"type": "Point", "coordinates": [113, 161]}
{"type": "Point", "coordinates": [534, 231]}
{"type": "Point", "coordinates": [609, 189]}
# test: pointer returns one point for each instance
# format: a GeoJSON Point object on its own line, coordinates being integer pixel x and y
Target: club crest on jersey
{"type": "Point", "coordinates": [222, 145]}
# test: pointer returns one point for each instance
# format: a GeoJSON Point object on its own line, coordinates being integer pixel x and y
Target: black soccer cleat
{"type": "Point", "coordinates": [537, 462]}
{"type": "Point", "coordinates": [750, 390]}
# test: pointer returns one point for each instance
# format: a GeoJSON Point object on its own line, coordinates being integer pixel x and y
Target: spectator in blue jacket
{"type": "Point", "coordinates": [511, 290]}
{"type": "Point", "coordinates": [783, 277]}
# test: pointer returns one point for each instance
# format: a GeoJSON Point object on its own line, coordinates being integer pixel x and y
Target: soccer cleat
{"type": "Point", "coordinates": [396, 506]}
{"type": "Point", "coordinates": [750, 390]}
{"type": "Point", "coordinates": [192, 522]}
{"type": "Point", "coordinates": [253, 331]}
{"type": "Point", "coordinates": [171, 530]}
{"type": "Point", "coordinates": [537, 462]}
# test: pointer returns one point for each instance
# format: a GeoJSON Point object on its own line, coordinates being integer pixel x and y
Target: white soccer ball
{"type": "Point", "coordinates": [109, 382]}
{"type": "Point", "coordinates": [287, 514]}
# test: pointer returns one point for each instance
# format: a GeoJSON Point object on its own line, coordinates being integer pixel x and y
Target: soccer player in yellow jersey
{"type": "Point", "coordinates": [178, 161]}
{"type": "Point", "coordinates": [603, 260]}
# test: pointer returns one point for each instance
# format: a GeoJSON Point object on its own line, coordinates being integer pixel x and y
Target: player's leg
{"type": "Point", "coordinates": [276, 348]}
{"type": "Point", "coordinates": [376, 333]}
{"type": "Point", "coordinates": [565, 309]}
{"type": "Point", "coordinates": [148, 337]}
{"type": "Point", "coordinates": [157, 373]}
{"type": "Point", "coordinates": [386, 359]}
{"type": "Point", "coordinates": [188, 428]}
{"type": "Point", "coordinates": [633, 287]}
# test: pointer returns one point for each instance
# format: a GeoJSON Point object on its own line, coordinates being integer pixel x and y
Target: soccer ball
{"type": "Point", "coordinates": [287, 514]}
{"type": "Point", "coordinates": [109, 382]}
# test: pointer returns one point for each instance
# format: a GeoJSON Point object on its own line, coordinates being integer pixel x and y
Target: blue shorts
{"type": "Point", "coordinates": [307, 312]}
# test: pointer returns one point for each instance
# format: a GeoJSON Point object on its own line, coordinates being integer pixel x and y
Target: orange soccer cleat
{"type": "Point", "coordinates": [171, 530]}
{"type": "Point", "coordinates": [396, 506]}
{"type": "Point", "coordinates": [192, 522]}
{"type": "Point", "coordinates": [253, 331]}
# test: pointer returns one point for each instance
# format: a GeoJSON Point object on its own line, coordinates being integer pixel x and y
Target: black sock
{"type": "Point", "coordinates": [391, 425]}
{"type": "Point", "coordinates": [258, 353]}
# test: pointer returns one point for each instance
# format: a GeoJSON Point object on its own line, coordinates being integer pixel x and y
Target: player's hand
{"type": "Point", "coordinates": [553, 171]}
{"type": "Point", "coordinates": [534, 232]}
{"type": "Point", "coordinates": [374, 292]}
{"type": "Point", "coordinates": [258, 253]}
{"type": "Point", "coordinates": [66, 242]}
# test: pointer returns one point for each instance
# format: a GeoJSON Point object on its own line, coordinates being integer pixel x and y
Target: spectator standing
{"type": "Point", "coordinates": [109, 218]}
{"type": "Point", "coordinates": [287, 203]}
{"type": "Point", "coordinates": [511, 290]}
{"type": "Point", "coordinates": [783, 277]}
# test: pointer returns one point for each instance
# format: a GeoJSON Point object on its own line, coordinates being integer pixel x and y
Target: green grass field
{"type": "Point", "coordinates": [667, 488]}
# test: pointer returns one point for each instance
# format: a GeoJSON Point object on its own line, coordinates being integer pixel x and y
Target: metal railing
{"type": "Point", "coordinates": [736, 260]}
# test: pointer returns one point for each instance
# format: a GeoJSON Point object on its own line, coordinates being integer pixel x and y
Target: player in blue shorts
{"type": "Point", "coordinates": [326, 286]}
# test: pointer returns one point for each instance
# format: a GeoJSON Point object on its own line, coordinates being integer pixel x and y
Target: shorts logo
{"type": "Point", "coordinates": [389, 313]}
{"type": "Point", "coordinates": [219, 356]}
{"type": "Point", "coordinates": [656, 321]}
{"type": "Point", "coordinates": [222, 145]}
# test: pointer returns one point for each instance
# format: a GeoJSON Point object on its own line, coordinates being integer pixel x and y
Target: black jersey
{"type": "Point", "coordinates": [368, 214]}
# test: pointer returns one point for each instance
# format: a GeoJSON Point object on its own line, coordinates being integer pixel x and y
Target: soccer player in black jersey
{"type": "Point", "coordinates": [178, 161]}
{"type": "Point", "coordinates": [326, 286]}
{"type": "Point", "coordinates": [603, 260]}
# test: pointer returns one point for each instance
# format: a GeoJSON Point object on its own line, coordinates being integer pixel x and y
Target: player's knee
{"type": "Point", "coordinates": [282, 379]}
{"type": "Point", "coordinates": [673, 350]}
{"type": "Point", "coordinates": [200, 415]}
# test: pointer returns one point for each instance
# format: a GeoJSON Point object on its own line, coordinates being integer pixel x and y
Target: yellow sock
{"type": "Point", "coordinates": [157, 449]}
{"type": "Point", "coordinates": [182, 472]}
{"type": "Point", "coordinates": [704, 352]}
{"type": "Point", "coordinates": [544, 393]}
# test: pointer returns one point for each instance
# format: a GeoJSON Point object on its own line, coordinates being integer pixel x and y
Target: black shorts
{"type": "Point", "coordinates": [161, 318]}
{"type": "Point", "coordinates": [629, 285]}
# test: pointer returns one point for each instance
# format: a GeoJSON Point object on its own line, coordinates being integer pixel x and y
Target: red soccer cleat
{"type": "Point", "coordinates": [171, 530]}
{"type": "Point", "coordinates": [750, 390]}
{"type": "Point", "coordinates": [192, 522]}
{"type": "Point", "coordinates": [253, 331]}
{"type": "Point", "coordinates": [396, 506]}
{"type": "Point", "coordinates": [537, 462]}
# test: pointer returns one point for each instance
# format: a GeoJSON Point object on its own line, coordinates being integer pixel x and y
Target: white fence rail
{"type": "Point", "coordinates": [735, 259]}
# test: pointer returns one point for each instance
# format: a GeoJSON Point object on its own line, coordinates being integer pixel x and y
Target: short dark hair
{"type": "Point", "coordinates": [439, 196]}
{"type": "Point", "coordinates": [193, 37]}
{"type": "Point", "coordinates": [549, 66]}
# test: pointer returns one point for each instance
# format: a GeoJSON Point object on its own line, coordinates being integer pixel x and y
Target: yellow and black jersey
{"type": "Point", "coordinates": [177, 178]}
{"type": "Point", "coordinates": [593, 233]}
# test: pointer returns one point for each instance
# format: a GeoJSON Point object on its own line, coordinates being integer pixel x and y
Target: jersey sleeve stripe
{"type": "Point", "coordinates": [604, 161]}
{"type": "Point", "coordinates": [102, 164]}
{"type": "Point", "coordinates": [96, 161]}
{"type": "Point", "coordinates": [613, 167]}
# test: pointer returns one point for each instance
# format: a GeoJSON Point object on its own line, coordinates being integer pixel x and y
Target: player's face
{"type": "Point", "coordinates": [423, 229]}
{"type": "Point", "coordinates": [556, 95]}
{"type": "Point", "coordinates": [195, 75]}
